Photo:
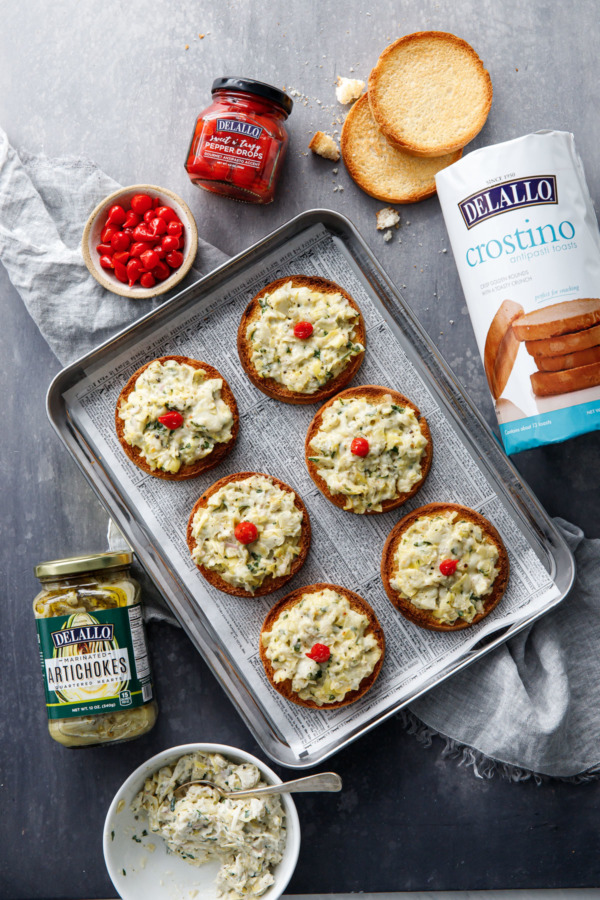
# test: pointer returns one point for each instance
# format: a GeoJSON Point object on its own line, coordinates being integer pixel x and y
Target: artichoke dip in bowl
{"type": "Point", "coordinates": [160, 844]}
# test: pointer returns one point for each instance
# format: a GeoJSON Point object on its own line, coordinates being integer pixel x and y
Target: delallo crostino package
{"type": "Point", "coordinates": [526, 243]}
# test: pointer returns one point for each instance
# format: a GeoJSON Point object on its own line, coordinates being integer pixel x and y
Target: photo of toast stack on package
{"type": "Point", "coordinates": [526, 243]}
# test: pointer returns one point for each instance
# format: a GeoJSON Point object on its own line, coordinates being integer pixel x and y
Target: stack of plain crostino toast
{"type": "Point", "coordinates": [428, 96]}
{"type": "Point", "coordinates": [564, 340]}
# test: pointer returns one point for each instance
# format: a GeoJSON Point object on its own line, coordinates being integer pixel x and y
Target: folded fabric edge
{"type": "Point", "coordinates": [485, 767]}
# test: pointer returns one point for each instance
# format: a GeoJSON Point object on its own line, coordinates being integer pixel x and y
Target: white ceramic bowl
{"type": "Point", "coordinates": [138, 873]}
{"type": "Point", "coordinates": [95, 225]}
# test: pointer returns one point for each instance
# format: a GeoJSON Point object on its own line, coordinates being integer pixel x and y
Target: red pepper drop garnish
{"type": "Point", "coordinates": [320, 653]}
{"type": "Point", "coordinates": [171, 419]}
{"type": "Point", "coordinates": [303, 330]}
{"type": "Point", "coordinates": [359, 446]}
{"type": "Point", "coordinates": [448, 566]}
{"type": "Point", "coordinates": [246, 532]}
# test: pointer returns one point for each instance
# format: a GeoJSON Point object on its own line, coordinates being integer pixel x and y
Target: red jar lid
{"type": "Point", "coordinates": [249, 86]}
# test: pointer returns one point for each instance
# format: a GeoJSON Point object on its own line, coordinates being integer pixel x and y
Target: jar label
{"type": "Point", "coordinates": [232, 142]}
{"type": "Point", "coordinates": [236, 127]}
{"type": "Point", "coordinates": [94, 664]}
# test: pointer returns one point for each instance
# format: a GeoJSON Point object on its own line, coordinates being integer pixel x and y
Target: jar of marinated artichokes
{"type": "Point", "coordinates": [93, 650]}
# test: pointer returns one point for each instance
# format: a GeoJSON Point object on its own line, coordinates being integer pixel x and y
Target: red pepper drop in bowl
{"type": "Point", "coordinates": [239, 142]}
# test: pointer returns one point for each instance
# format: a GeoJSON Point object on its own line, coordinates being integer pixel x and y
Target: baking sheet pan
{"type": "Point", "coordinates": [81, 394]}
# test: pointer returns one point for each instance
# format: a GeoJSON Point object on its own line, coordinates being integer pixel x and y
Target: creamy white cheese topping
{"type": "Point", "coordinates": [302, 365]}
{"type": "Point", "coordinates": [323, 617]}
{"type": "Point", "coordinates": [248, 836]}
{"type": "Point", "coordinates": [416, 566]}
{"type": "Point", "coordinates": [277, 519]}
{"type": "Point", "coordinates": [167, 386]}
{"type": "Point", "coordinates": [393, 463]}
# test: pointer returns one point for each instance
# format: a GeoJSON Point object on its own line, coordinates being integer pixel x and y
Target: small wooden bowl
{"type": "Point", "coordinates": [97, 220]}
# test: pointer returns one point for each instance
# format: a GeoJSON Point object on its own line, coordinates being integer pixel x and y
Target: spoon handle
{"type": "Point", "coordinates": [324, 781]}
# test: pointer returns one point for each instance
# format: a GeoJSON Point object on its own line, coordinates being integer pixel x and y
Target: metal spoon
{"type": "Point", "coordinates": [324, 781]}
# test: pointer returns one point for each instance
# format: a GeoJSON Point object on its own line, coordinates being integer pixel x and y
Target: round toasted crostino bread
{"type": "Point", "coordinates": [301, 339]}
{"type": "Point", "coordinates": [429, 93]}
{"type": "Point", "coordinates": [368, 449]}
{"type": "Point", "coordinates": [249, 534]}
{"type": "Point", "coordinates": [382, 169]}
{"type": "Point", "coordinates": [322, 646]}
{"type": "Point", "coordinates": [176, 417]}
{"type": "Point", "coordinates": [444, 566]}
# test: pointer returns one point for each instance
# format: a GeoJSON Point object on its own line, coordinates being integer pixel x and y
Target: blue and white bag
{"type": "Point", "coordinates": [526, 243]}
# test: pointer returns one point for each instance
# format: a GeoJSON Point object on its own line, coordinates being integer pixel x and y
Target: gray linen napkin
{"type": "Point", "coordinates": [532, 706]}
{"type": "Point", "coordinates": [534, 703]}
{"type": "Point", "coordinates": [44, 204]}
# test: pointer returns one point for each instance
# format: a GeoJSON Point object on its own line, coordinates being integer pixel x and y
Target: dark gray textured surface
{"type": "Point", "coordinates": [117, 84]}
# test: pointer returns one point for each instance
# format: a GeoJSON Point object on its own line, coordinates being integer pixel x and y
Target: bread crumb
{"type": "Point", "coordinates": [348, 89]}
{"type": "Point", "coordinates": [387, 218]}
{"type": "Point", "coordinates": [324, 145]}
{"type": "Point", "coordinates": [187, 46]}
{"type": "Point", "coordinates": [335, 171]}
{"type": "Point", "coordinates": [201, 36]}
{"type": "Point", "coordinates": [388, 236]}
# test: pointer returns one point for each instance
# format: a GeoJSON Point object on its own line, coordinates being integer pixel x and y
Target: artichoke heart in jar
{"type": "Point", "coordinates": [93, 650]}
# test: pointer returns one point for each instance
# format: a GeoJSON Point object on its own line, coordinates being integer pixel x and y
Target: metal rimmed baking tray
{"type": "Point", "coordinates": [200, 322]}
